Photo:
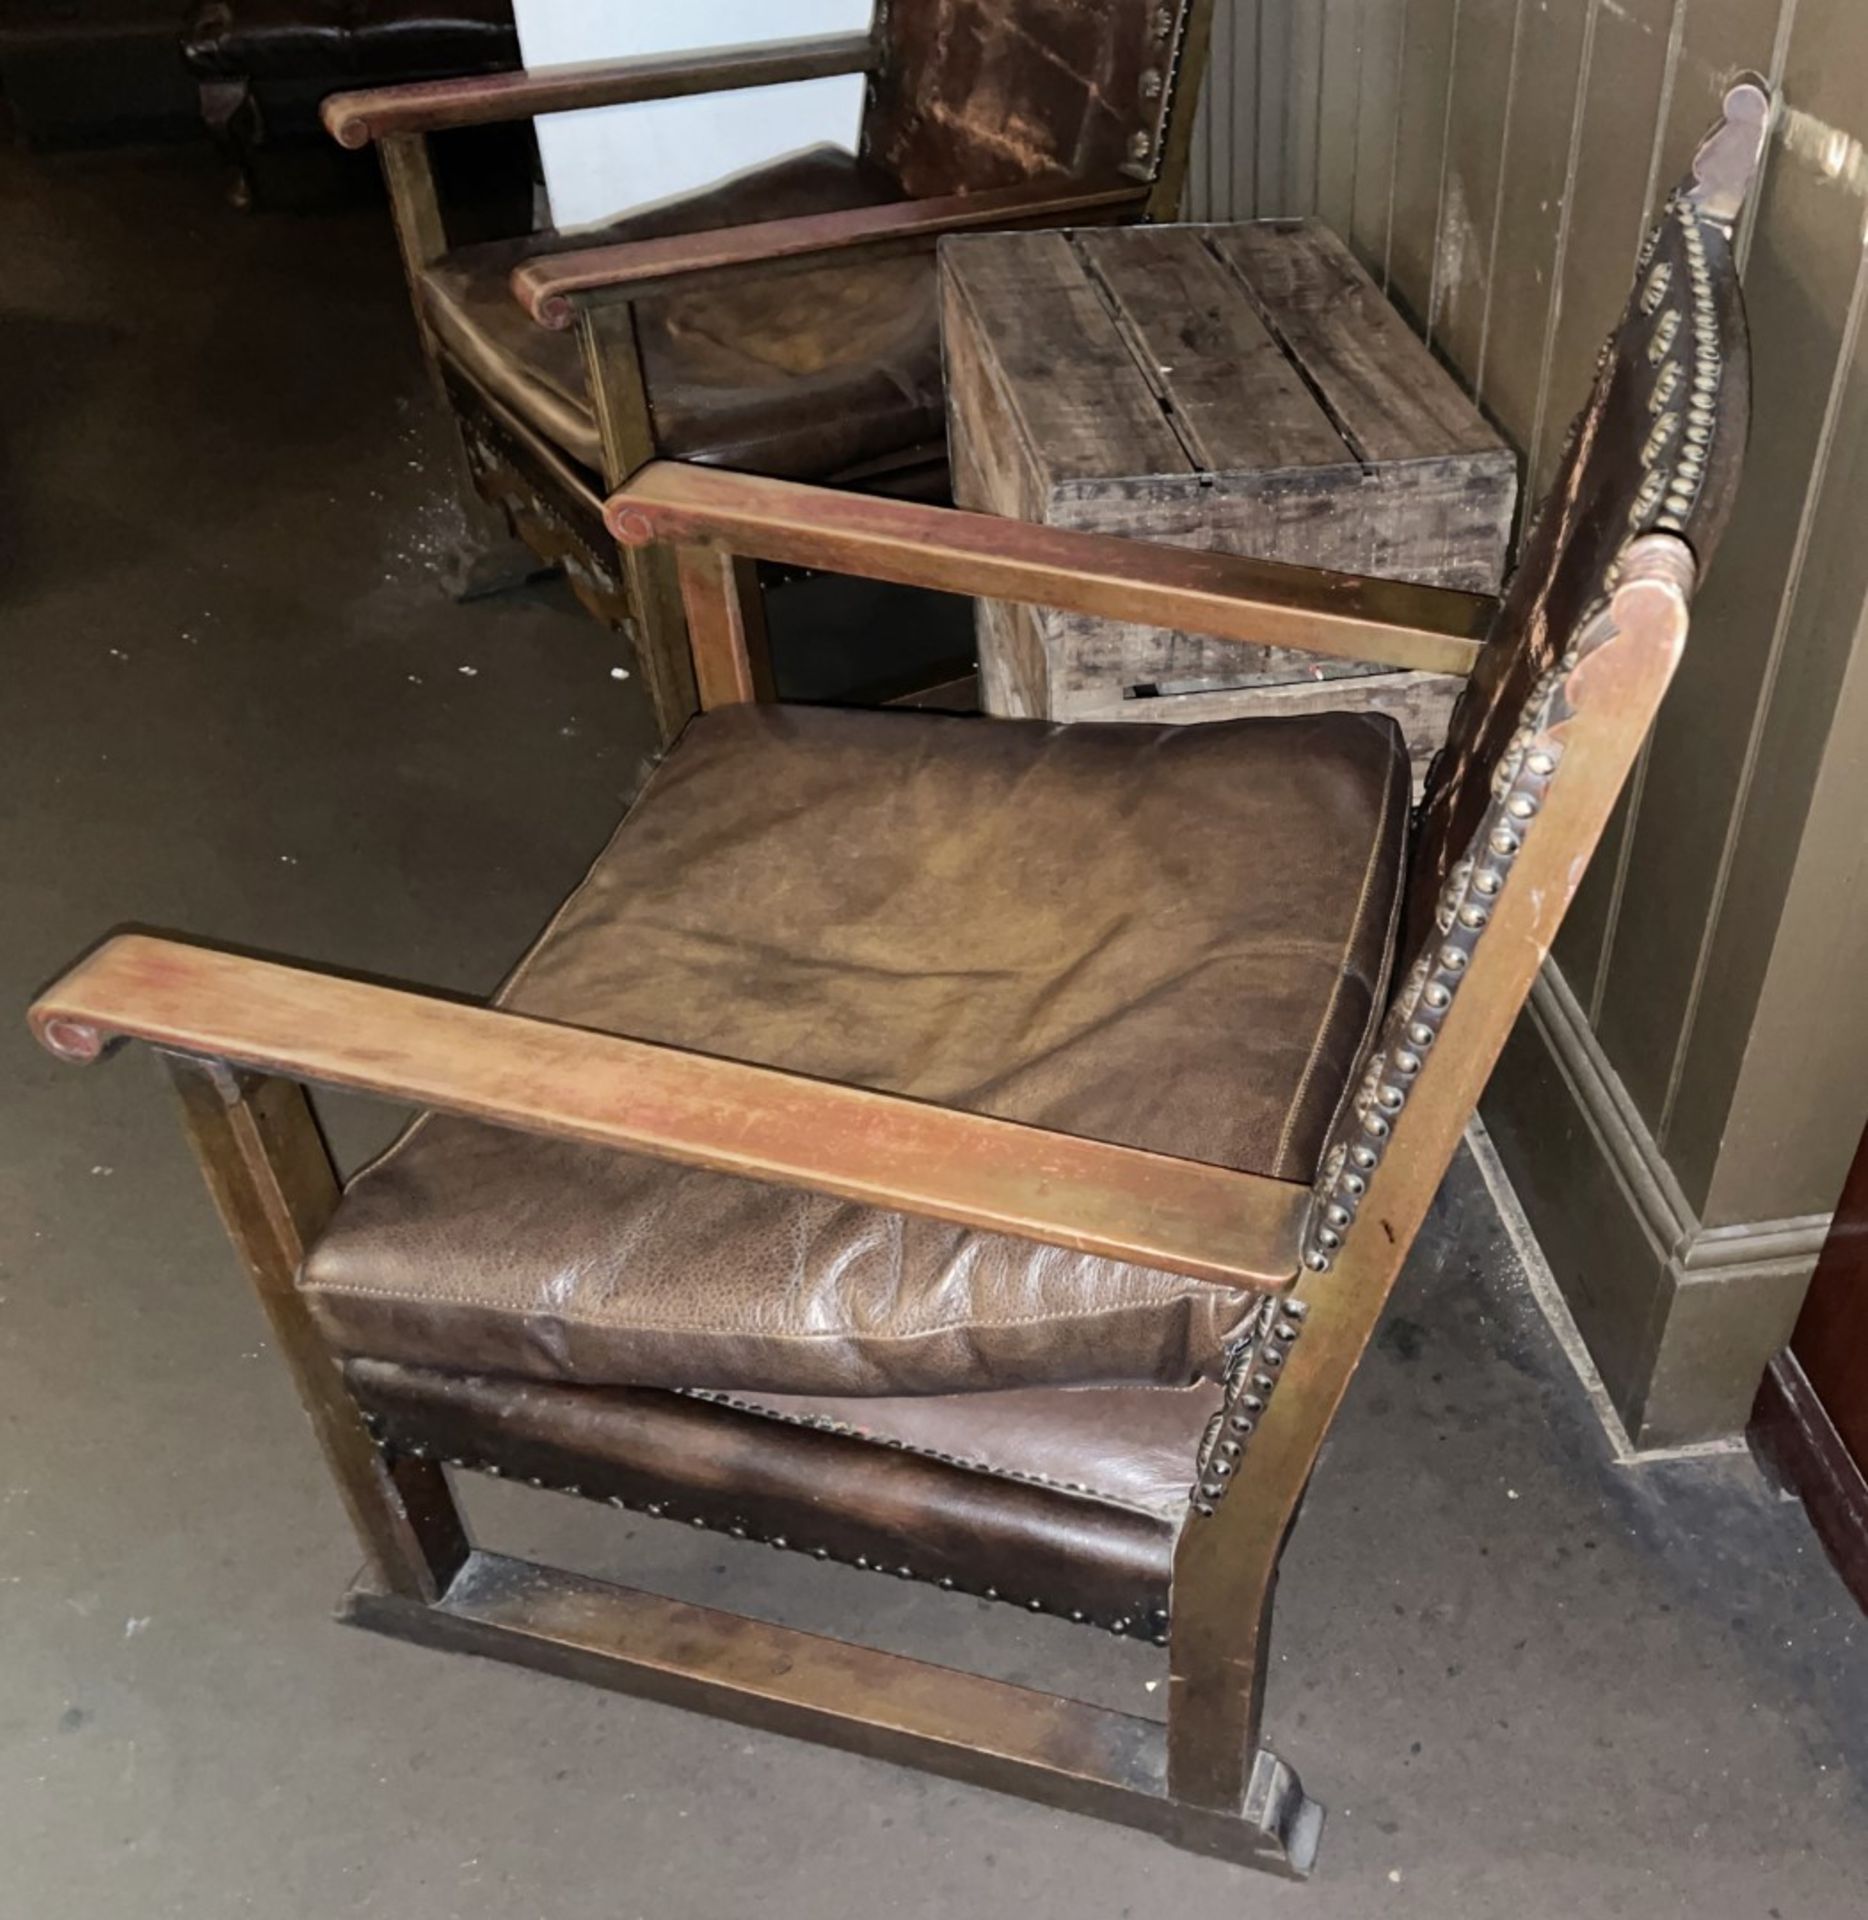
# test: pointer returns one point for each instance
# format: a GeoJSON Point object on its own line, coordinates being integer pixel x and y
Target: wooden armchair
{"type": "Point", "coordinates": [784, 323]}
{"type": "Point", "coordinates": [973, 1150]}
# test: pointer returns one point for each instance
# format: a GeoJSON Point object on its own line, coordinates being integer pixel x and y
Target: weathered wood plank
{"type": "Point", "coordinates": [1382, 385]}
{"type": "Point", "coordinates": [1420, 703]}
{"type": "Point", "coordinates": [729, 1116]}
{"type": "Point", "coordinates": [1070, 374]}
{"type": "Point", "coordinates": [1316, 428]}
{"type": "Point", "coordinates": [1441, 523]}
{"type": "Point", "coordinates": [1231, 391]}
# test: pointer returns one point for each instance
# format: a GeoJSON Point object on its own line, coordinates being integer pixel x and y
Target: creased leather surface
{"type": "Point", "coordinates": [1173, 938]}
{"type": "Point", "coordinates": [1067, 1497]}
{"type": "Point", "coordinates": [799, 374]}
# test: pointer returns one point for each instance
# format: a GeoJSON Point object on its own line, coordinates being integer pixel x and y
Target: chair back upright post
{"type": "Point", "coordinates": [1550, 726]}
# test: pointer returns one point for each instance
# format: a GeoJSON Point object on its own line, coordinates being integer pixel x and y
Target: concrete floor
{"type": "Point", "coordinates": [1526, 1681]}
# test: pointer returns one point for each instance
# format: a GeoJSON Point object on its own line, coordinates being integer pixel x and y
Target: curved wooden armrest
{"type": "Point", "coordinates": [423, 106]}
{"type": "Point", "coordinates": [1351, 616]}
{"type": "Point", "coordinates": [545, 286]}
{"type": "Point", "coordinates": [882, 1150]}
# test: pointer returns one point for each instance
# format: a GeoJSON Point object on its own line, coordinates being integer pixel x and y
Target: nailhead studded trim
{"type": "Point", "coordinates": [1155, 88]}
{"type": "Point", "coordinates": [822, 1423]}
{"type": "Point", "coordinates": [1140, 1621]}
{"type": "Point", "coordinates": [1682, 345]}
{"type": "Point", "coordinates": [1678, 461]}
{"type": "Point", "coordinates": [1426, 997]}
{"type": "Point", "coordinates": [1254, 1364]}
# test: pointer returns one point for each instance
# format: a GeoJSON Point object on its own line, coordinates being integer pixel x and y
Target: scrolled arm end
{"type": "Point", "coordinates": [346, 121]}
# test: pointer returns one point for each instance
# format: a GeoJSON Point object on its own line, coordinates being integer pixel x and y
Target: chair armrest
{"type": "Point", "coordinates": [1351, 616]}
{"type": "Point", "coordinates": [1214, 1223]}
{"type": "Point", "coordinates": [545, 286]}
{"type": "Point", "coordinates": [424, 106]}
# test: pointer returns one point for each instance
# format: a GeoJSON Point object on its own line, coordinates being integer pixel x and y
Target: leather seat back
{"type": "Point", "coordinates": [989, 93]}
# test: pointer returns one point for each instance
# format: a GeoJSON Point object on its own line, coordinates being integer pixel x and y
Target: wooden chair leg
{"type": "Point", "coordinates": [613, 372]}
{"type": "Point", "coordinates": [725, 609]}
{"type": "Point", "coordinates": [272, 1180]}
{"type": "Point", "coordinates": [1253, 1475]}
{"type": "Point", "coordinates": [1218, 1643]}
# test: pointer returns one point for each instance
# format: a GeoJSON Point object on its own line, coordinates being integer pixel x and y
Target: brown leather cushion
{"type": "Point", "coordinates": [1175, 938]}
{"type": "Point", "coordinates": [1065, 1498]}
{"type": "Point", "coordinates": [799, 374]}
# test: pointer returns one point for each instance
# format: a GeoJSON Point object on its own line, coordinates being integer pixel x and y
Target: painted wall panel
{"type": "Point", "coordinates": [1717, 952]}
{"type": "Point", "coordinates": [1377, 104]}
{"type": "Point", "coordinates": [1477, 122]}
{"type": "Point", "coordinates": [1798, 290]}
{"type": "Point", "coordinates": [1427, 48]}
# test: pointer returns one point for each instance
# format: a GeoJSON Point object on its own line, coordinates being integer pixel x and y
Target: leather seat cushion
{"type": "Point", "coordinates": [797, 374]}
{"type": "Point", "coordinates": [1066, 1498]}
{"type": "Point", "coordinates": [1175, 938]}
{"type": "Point", "coordinates": [349, 40]}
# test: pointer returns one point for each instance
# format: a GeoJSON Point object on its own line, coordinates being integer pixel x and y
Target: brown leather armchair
{"type": "Point", "coordinates": [784, 323]}
{"type": "Point", "coordinates": [975, 1150]}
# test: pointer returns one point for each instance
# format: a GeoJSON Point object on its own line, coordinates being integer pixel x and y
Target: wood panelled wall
{"type": "Point", "coordinates": [1680, 1107]}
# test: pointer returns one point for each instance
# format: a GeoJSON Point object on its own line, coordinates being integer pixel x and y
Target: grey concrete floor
{"type": "Point", "coordinates": [238, 701]}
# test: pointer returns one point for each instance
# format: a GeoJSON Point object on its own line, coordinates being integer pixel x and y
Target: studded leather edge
{"type": "Point", "coordinates": [1419, 1012]}
{"type": "Point", "coordinates": [1164, 53]}
{"type": "Point", "coordinates": [1683, 348]}
{"type": "Point", "coordinates": [1253, 1366]}
{"type": "Point", "coordinates": [1142, 1621]}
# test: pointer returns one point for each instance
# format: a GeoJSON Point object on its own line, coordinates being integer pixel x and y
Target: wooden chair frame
{"type": "Point", "coordinates": [542, 493]}
{"type": "Point", "coordinates": [1552, 735]}
{"type": "Point", "coordinates": [244, 1036]}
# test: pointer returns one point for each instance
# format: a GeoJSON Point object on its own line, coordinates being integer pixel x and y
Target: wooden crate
{"type": "Point", "coordinates": [1241, 387]}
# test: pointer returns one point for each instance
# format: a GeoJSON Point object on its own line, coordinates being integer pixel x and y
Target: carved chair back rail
{"type": "Point", "coordinates": [1555, 713]}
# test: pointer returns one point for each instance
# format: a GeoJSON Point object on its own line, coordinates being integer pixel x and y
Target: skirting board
{"type": "Point", "coordinates": [1548, 1297]}
{"type": "Point", "coordinates": [1679, 1319]}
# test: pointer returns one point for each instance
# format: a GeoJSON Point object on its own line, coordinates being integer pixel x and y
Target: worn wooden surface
{"type": "Point", "coordinates": [1242, 389]}
{"type": "Point", "coordinates": [572, 1083]}
{"type": "Point", "coordinates": [274, 1187]}
{"type": "Point", "coordinates": [1345, 616]}
{"type": "Point", "coordinates": [355, 119]}
{"type": "Point", "coordinates": [551, 285]}
{"type": "Point", "coordinates": [1040, 1746]}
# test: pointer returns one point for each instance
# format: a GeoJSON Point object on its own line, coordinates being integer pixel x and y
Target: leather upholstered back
{"type": "Point", "coordinates": [989, 93]}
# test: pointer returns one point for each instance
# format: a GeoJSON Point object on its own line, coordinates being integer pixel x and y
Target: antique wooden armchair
{"type": "Point", "coordinates": [907, 1108]}
{"type": "Point", "coordinates": [784, 323]}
